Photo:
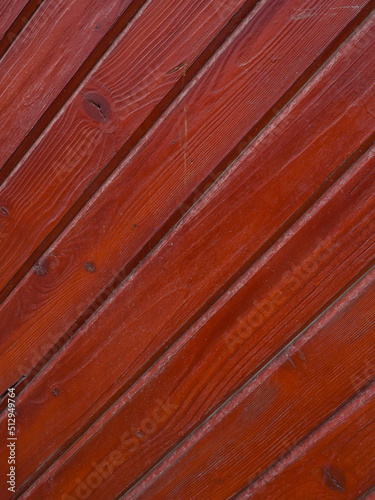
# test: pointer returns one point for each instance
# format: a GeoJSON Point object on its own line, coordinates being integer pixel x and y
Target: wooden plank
{"type": "Point", "coordinates": [148, 189]}
{"type": "Point", "coordinates": [47, 67]}
{"type": "Point", "coordinates": [308, 267]}
{"type": "Point", "coordinates": [336, 460]}
{"type": "Point", "coordinates": [9, 11]}
{"type": "Point", "coordinates": [81, 141]}
{"type": "Point", "coordinates": [286, 402]}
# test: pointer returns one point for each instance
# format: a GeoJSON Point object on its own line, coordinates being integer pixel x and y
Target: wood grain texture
{"type": "Point", "coordinates": [18, 23]}
{"type": "Point", "coordinates": [308, 267]}
{"type": "Point", "coordinates": [336, 461]}
{"type": "Point", "coordinates": [197, 375]}
{"type": "Point", "coordinates": [148, 188]}
{"type": "Point", "coordinates": [297, 392]}
{"type": "Point", "coordinates": [9, 10]}
{"type": "Point", "coordinates": [100, 117]}
{"type": "Point", "coordinates": [44, 57]}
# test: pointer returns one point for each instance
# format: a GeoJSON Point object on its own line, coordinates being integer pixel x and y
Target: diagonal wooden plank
{"type": "Point", "coordinates": [286, 402]}
{"type": "Point", "coordinates": [148, 189]}
{"type": "Point", "coordinates": [337, 459]}
{"type": "Point", "coordinates": [207, 365]}
{"type": "Point", "coordinates": [33, 73]}
{"type": "Point", "coordinates": [125, 336]}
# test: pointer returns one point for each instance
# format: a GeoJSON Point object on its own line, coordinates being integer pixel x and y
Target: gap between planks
{"type": "Point", "coordinates": [329, 313]}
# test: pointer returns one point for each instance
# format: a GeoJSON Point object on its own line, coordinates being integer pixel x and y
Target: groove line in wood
{"type": "Point", "coordinates": [53, 101]}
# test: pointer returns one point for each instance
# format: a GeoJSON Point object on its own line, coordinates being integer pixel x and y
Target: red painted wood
{"type": "Point", "coordinates": [252, 431]}
{"type": "Point", "coordinates": [156, 378]}
{"type": "Point", "coordinates": [70, 31]}
{"type": "Point", "coordinates": [81, 141]}
{"type": "Point", "coordinates": [148, 188]}
{"type": "Point", "coordinates": [308, 267]}
{"type": "Point", "coordinates": [9, 10]}
{"type": "Point", "coordinates": [337, 461]}
{"type": "Point", "coordinates": [297, 392]}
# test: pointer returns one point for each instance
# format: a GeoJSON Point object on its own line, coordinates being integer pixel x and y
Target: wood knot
{"type": "Point", "coordinates": [97, 106]}
{"type": "Point", "coordinates": [4, 211]}
{"type": "Point", "coordinates": [334, 478]}
{"type": "Point", "coordinates": [90, 267]}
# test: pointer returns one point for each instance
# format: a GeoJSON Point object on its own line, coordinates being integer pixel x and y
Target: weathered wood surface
{"type": "Point", "coordinates": [9, 10]}
{"type": "Point", "coordinates": [150, 187]}
{"type": "Point", "coordinates": [100, 118]}
{"type": "Point", "coordinates": [319, 256]}
{"type": "Point", "coordinates": [44, 57]}
{"type": "Point", "coordinates": [337, 461]}
{"type": "Point", "coordinates": [229, 344]}
{"type": "Point", "coordinates": [222, 335]}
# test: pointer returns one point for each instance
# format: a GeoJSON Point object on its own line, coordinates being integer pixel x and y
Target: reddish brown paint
{"type": "Point", "coordinates": [202, 371]}
{"type": "Point", "coordinates": [344, 220]}
{"type": "Point", "coordinates": [280, 238]}
{"type": "Point", "coordinates": [63, 29]}
{"type": "Point", "coordinates": [297, 392]}
{"type": "Point", "coordinates": [76, 147]}
{"type": "Point", "coordinates": [14, 15]}
{"type": "Point", "coordinates": [9, 11]}
{"type": "Point", "coordinates": [149, 188]}
{"type": "Point", "coordinates": [337, 459]}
